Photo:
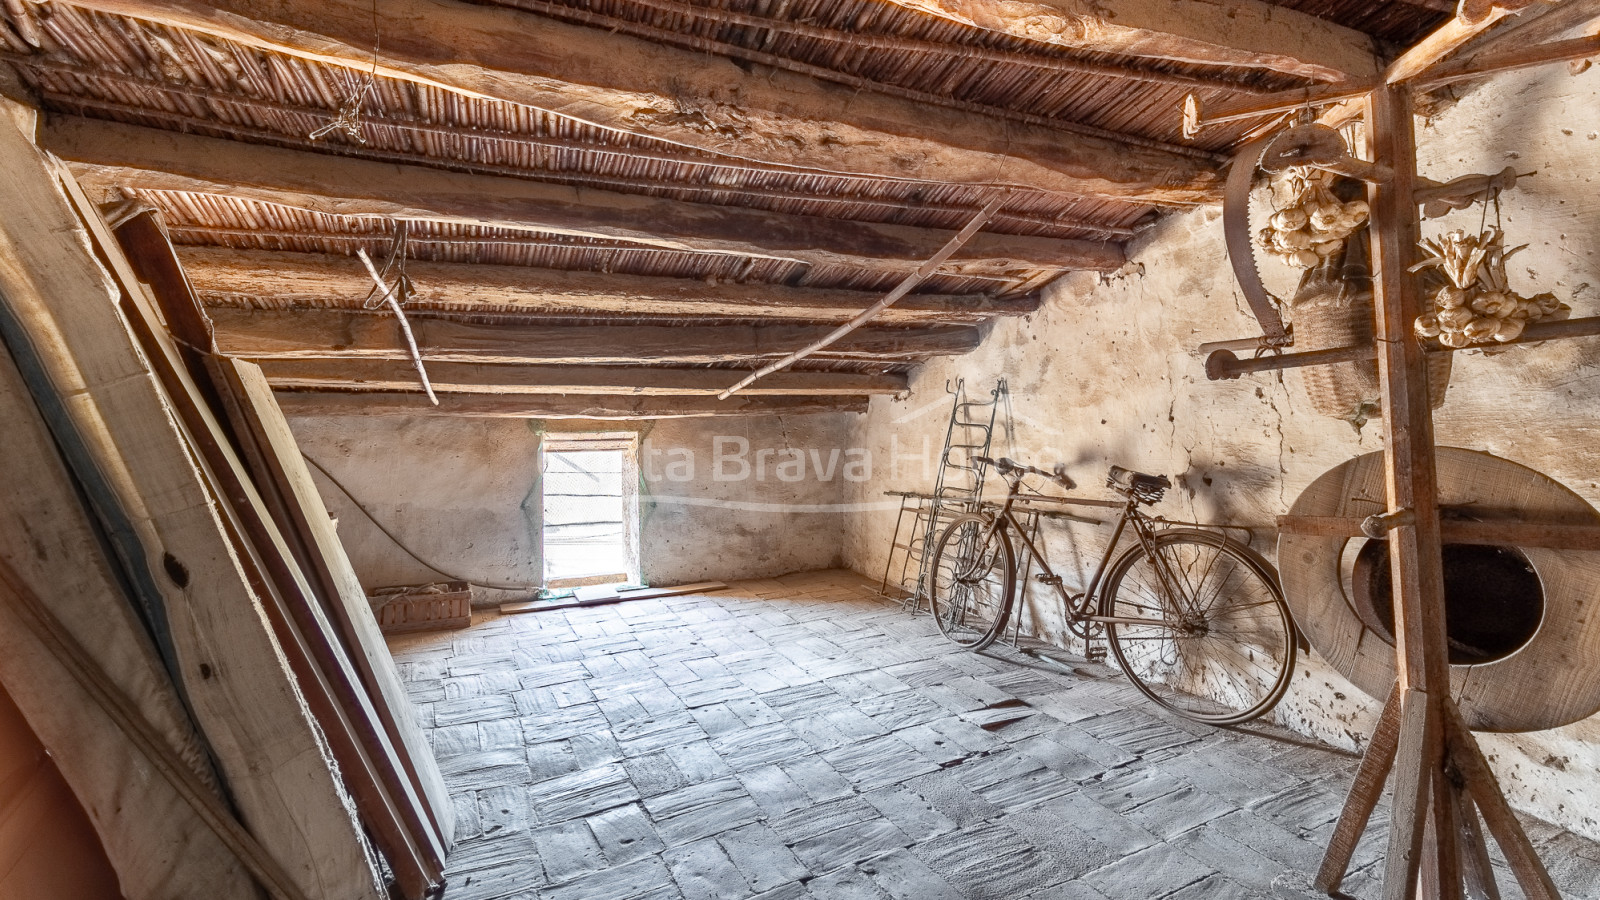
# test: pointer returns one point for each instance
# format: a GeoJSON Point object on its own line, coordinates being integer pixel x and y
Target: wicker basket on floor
{"type": "Point", "coordinates": [1333, 308]}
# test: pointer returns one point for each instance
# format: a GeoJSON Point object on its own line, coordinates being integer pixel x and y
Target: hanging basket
{"type": "Point", "coordinates": [1333, 308]}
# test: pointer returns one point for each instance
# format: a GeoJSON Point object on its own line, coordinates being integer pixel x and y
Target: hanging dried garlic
{"type": "Point", "coordinates": [1314, 224]}
{"type": "Point", "coordinates": [1477, 305]}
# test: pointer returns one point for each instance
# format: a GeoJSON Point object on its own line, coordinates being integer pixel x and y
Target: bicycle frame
{"type": "Point", "coordinates": [1142, 529]}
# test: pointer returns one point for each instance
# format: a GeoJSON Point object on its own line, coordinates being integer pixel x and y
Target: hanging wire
{"type": "Point", "coordinates": [349, 118]}
{"type": "Point", "coordinates": [394, 539]}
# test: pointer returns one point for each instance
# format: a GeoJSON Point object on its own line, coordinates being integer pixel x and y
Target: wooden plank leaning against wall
{"type": "Point", "coordinates": [263, 739]}
{"type": "Point", "coordinates": [317, 606]}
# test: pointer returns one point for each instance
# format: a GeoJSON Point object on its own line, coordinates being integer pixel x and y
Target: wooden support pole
{"type": "Point", "coordinates": [1411, 484]}
{"type": "Point", "coordinates": [1363, 796]}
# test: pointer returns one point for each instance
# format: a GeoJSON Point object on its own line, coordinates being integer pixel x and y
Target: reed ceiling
{"type": "Point", "coordinates": [717, 187]}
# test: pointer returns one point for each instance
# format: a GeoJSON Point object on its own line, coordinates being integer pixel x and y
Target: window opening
{"type": "Point", "coordinates": [591, 519]}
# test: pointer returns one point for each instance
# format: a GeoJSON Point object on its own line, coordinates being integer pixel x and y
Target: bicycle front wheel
{"type": "Point", "coordinates": [970, 581]}
{"type": "Point", "coordinates": [1202, 627]}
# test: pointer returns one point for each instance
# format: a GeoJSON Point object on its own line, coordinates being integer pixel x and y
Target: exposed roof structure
{"type": "Point", "coordinates": [750, 172]}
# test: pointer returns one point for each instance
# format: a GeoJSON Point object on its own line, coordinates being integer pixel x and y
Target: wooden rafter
{"type": "Point", "coordinates": [653, 381]}
{"type": "Point", "coordinates": [1450, 37]}
{"type": "Point", "coordinates": [514, 406]}
{"type": "Point", "coordinates": [338, 334]}
{"type": "Point", "coordinates": [613, 81]}
{"type": "Point", "coordinates": [108, 155]}
{"type": "Point", "coordinates": [1233, 33]}
{"type": "Point", "coordinates": [317, 279]}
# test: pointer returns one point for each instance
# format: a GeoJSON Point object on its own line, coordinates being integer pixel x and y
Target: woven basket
{"type": "Point", "coordinates": [1333, 308]}
{"type": "Point", "coordinates": [424, 607]}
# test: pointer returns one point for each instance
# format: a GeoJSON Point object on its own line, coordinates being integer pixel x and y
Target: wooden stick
{"type": "Point", "coordinates": [94, 680]}
{"type": "Point", "coordinates": [527, 606]}
{"type": "Point", "coordinates": [1442, 870]}
{"type": "Point", "coordinates": [1476, 870]}
{"type": "Point", "coordinates": [1408, 811]}
{"type": "Point", "coordinates": [1551, 535]}
{"type": "Point", "coordinates": [405, 327]}
{"type": "Point", "coordinates": [1497, 814]}
{"type": "Point", "coordinates": [871, 312]}
{"type": "Point", "coordinates": [1363, 796]}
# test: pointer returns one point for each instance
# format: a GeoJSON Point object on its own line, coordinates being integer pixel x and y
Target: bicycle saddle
{"type": "Point", "coordinates": [1138, 482]}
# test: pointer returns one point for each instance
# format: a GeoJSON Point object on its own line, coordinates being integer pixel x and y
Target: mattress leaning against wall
{"type": "Point", "coordinates": [266, 748]}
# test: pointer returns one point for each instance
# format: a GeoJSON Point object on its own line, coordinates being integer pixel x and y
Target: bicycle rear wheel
{"type": "Point", "coordinates": [1215, 643]}
{"type": "Point", "coordinates": [970, 581]}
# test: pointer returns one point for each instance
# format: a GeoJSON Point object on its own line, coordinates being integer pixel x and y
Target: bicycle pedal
{"type": "Point", "coordinates": [1047, 579]}
{"type": "Point", "coordinates": [1095, 654]}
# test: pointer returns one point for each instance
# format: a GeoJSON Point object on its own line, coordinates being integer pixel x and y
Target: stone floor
{"type": "Point", "coordinates": [796, 739]}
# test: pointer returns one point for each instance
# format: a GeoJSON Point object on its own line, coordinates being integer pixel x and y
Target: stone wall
{"type": "Point", "coordinates": [463, 494]}
{"type": "Point", "coordinates": [1106, 373]}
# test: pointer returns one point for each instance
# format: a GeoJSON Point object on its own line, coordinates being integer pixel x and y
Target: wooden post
{"type": "Point", "coordinates": [1440, 776]}
{"type": "Point", "coordinates": [1411, 483]}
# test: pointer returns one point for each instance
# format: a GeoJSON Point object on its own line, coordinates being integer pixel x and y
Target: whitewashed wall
{"type": "Point", "coordinates": [464, 495]}
{"type": "Point", "coordinates": [1105, 373]}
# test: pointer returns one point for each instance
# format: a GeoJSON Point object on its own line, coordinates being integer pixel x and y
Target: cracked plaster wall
{"type": "Point", "coordinates": [1105, 373]}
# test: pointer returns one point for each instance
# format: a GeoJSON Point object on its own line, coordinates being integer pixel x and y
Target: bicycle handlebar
{"type": "Point", "coordinates": [1006, 466]}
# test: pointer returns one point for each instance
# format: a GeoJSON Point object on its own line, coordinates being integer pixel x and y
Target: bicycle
{"type": "Point", "coordinates": [1184, 610]}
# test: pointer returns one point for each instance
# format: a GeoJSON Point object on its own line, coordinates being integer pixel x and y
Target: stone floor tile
{"type": "Point", "coordinates": [773, 790]}
{"type": "Point", "coordinates": [918, 818]}
{"type": "Point", "coordinates": [647, 877]}
{"type": "Point", "coordinates": [567, 851]}
{"type": "Point", "coordinates": [625, 834]}
{"type": "Point", "coordinates": [870, 764]}
{"type": "Point", "coordinates": [850, 844]}
{"type": "Point", "coordinates": [820, 781]}
{"type": "Point", "coordinates": [797, 739]}
{"type": "Point", "coordinates": [905, 877]}
{"type": "Point", "coordinates": [762, 857]}
{"type": "Point", "coordinates": [698, 762]}
{"type": "Point", "coordinates": [953, 799]}
{"type": "Point", "coordinates": [993, 860]}
{"type": "Point", "coordinates": [582, 793]}
{"type": "Point", "coordinates": [703, 871]}
{"type": "Point", "coordinates": [1156, 871]}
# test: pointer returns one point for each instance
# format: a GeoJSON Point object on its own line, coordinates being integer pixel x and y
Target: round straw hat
{"type": "Point", "coordinates": [1524, 622]}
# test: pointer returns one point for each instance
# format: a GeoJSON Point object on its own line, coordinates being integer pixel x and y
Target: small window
{"type": "Point", "coordinates": [591, 510]}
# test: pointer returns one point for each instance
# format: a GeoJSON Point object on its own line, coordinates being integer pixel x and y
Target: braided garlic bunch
{"type": "Point", "coordinates": [1476, 304]}
{"type": "Point", "coordinates": [1313, 224]}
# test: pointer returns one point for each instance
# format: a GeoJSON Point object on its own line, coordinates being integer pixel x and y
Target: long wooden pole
{"type": "Point", "coordinates": [871, 312]}
{"type": "Point", "coordinates": [1411, 483]}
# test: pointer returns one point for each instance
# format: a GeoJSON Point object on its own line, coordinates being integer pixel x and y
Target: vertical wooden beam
{"type": "Point", "coordinates": [1363, 796]}
{"type": "Point", "coordinates": [1411, 484]}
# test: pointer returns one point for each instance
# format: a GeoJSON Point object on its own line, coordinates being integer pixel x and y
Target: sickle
{"type": "Point", "coordinates": [1236, 229]}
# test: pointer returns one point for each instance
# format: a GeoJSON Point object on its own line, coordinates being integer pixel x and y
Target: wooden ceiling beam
{"type": "Point", "coordinates": [512, 406]}
{"type": "Point", "coordinates": [1247, 33]}
{"type": "Point", "coordinates": [313, 279]}
{"type": "Point", "coordinates": [109, 155]}
{"type": "Point", "coordinates": [747, 111]}
{"type": "Point", "coordinates": [1450, 37]}
{"type": "Point", "coordinates": [341, 334]}
{"type": "Point", "coordinates": [650, 381]}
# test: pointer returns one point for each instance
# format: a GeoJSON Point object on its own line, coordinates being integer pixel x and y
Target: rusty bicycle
{"type": "Point", "coordinates": [1195, 618]}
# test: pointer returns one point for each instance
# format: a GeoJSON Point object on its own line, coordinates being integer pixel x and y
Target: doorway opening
{"type": "Point", "coordinates": [591, 509]}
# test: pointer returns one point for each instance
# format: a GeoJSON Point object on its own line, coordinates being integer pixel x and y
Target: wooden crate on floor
{"type": "Point", "coordinates": [423, 607]}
